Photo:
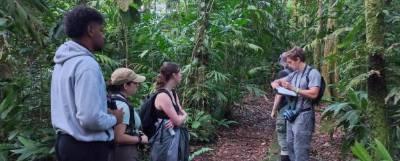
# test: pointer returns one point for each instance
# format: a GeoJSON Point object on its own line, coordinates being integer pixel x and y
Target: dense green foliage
{"type": "Point", "coordinates": [240, 46]}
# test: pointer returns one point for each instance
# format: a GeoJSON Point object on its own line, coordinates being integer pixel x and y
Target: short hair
{"type": "Point", "coordinates": [77, 20]}
{"type": "Point", "coordinates": [296, 52]}
{"type": "Point", "coordinates": [115, 89]}
{"type": "Point", "coordinates": [282, 59]}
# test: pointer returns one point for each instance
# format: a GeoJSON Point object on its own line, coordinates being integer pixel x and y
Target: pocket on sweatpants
{"type": "Point", "coordinates": [281, 125]}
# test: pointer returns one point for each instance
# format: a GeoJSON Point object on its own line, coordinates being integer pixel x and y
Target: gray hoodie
{"type": "Point", "coordinates": [78, 95]}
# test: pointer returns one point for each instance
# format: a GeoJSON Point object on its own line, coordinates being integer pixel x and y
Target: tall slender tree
{"type": "Point", "coordinates": [200, 55]}
{"type": "Point", "coordinates": [200, 51]}
{"type": "Point", "coordinates": [318, 44]}
{"type": "Point", "coordinates": [377, 91]}
{"type": "Point", "coordinates": [330, 48]}
{"type": "Point", "coordinates": [295, 13]}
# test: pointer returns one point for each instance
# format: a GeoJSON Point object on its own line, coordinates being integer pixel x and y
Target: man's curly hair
{"type": "Point", "coordinates": [77, 20]}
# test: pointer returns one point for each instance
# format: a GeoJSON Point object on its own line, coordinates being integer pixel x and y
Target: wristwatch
{"type": "Point", "coordinates": [140, 138]}
{"type": "Point", "coordinates": [297, 90]}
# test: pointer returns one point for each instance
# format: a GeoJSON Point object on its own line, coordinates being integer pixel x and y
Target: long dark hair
{"type": "Point", "coordinates": [165, 74]}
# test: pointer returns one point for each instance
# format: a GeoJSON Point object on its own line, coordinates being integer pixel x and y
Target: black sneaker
{"type": "Point", "coordinates": [285, 158]}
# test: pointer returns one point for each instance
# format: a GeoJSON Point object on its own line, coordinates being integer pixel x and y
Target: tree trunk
{"type": "Point", "coordinates": [329, 68]}
{"type": "Point", "coordinates": [295, 14]}
{"type": "Point", "coordinates": [377, 91]}
{"type": "Point", "coordinates": [333, 70]}
{"type": "Point", "coordinates": [200, 53]}
{"type": "Point", "coordinates": [186, 6]}
{"type": "Point", "coordinates": [317, 49]}
{"type": "Point", "coordinates": [327, 48]}
{"type": "Point", "coordinates": [200, 50]}
{"type": "Point", "coordinates": [126, 44]}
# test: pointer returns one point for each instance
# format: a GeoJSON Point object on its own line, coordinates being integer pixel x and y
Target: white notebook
{"type": "Point", "coordinates": [284, 91]}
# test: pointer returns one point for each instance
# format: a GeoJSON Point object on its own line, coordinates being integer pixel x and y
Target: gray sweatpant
{"type": "Point", "coordinates": [281, 132]}
{"type": "Point", "coordinates": [299, 134]}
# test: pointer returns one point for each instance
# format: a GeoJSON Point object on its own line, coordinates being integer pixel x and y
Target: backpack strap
{"type": "Point", "coordinates": [291, 76]}
{"type": "Point", "coordinates": [174, 97]}
{"type": "Point", "coordinates": [132, 122]}
{"type": "Point", "coordinates": [307, 74]}
{"type": "Point", "coordinates": [308, 81]}
{"type": "Point", "coordinates": [307, 70]}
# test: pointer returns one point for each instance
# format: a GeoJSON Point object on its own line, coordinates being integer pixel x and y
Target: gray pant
{"type": "Point", "coordinates": [281, 132]}
{"type": "Point", "coordinates": [299, 135]}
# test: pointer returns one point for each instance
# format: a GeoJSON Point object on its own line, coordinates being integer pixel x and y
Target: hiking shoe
{"type": "Point", "coordinates": [285, 158]}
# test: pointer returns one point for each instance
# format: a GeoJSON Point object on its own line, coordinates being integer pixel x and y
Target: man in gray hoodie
{"type": "Point", "coordinates": [78, 92]}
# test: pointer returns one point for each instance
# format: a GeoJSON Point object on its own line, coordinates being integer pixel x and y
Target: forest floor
{"type": "Point", "coordinates": [254, 138]}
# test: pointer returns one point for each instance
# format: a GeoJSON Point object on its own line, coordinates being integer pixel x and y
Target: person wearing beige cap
{"type": "Point", "coordinates": [125, 82]}
{"type": "Point", "coordinates": [125, 75]}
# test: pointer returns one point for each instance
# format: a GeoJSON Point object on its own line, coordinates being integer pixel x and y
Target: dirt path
{"type": "Point", "coordinates": [254, 139]}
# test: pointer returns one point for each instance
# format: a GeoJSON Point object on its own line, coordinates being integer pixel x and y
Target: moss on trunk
{"type": "Point", "coordinates": [377, 91]}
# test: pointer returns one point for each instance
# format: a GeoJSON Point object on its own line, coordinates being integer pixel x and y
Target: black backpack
{"type": "Point", "coordinates": [317, 100]}
{"type": "Point", "coordinates": [148, 113]}
{"type": "Point", "coordinates": [112, 105]}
